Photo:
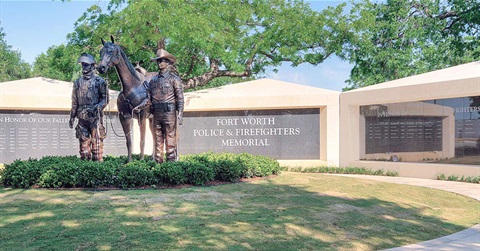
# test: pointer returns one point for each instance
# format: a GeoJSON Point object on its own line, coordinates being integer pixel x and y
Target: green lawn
{"type": "Point", "coordinates": [293, 211]}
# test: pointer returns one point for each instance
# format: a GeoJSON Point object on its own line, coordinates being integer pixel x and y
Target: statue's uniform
{"type": "Point", "coordinates": [166, 95]}
{"type": "Point", "coordinates": [89, 98]}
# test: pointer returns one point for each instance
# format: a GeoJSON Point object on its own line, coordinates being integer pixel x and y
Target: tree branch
{"type": "Point", "coordinates": [255, 24]}
{"type": "Point", "coordinates": [215, 72]}
{"type": "Point", "coordinates": [447, 15]}
{"type": "Point", "coordinates": [421, 7]}
{"type": "Point", "coordinates": [451, 24]}
{"type": "Point", "coordinates": [458, 16]}
{"type": "Point", "coordinates": [192, 65]}
{"type": "Point", "coordinates": [274, 57]}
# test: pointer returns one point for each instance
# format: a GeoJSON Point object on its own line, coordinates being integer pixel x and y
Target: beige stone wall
{"type": "Point", "coordinates": [341, 131]}
{"type": "Point", "coordinates": [264, 94]}
{"type": "Point", "coordinates": [41, 94]}
{"type": "Point", "coordinates": [416, 109]}
{"type": "Point", "coordinates": [44, 95]}
{"type": "Point", "coordinates": [454, 82]}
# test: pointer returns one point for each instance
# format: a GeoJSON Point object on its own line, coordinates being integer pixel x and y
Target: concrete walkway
{"type": "Point", "coordinates": [468, 239]}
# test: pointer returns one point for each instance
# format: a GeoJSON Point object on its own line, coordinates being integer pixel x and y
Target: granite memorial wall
{"type": "Point", "coordinates": [33, 134]}
{"type": "Point", "coordinates": [403, 134]}
{"type": "Point", "coordinates": [282, 134]}
{"type": "Point", "coordinates": [419, 127]}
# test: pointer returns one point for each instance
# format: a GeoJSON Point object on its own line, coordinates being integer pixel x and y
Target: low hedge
{"type": "Point", "coordinates": [197, 169]}
{"type": "Point", "coordinates": [463, 178]}
{"type": "Point", "coordinates": [340, 170]}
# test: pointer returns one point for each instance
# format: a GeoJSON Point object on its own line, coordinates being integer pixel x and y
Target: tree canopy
{"type": "Point", "coordinates": [400, 38]}
{"type": "Point", "coordinates": [12, 67]}
{"type": "Point", "coordinates": [58, 62]}
{"type": "Point", "coordinates": [217, 40]}
{"type": "Point", "coordinates": [213, 39]}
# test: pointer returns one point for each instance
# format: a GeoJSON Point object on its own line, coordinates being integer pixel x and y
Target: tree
{"type": "Point", "coordinates": [400, 38]}
{"type": "Point", "coordinates": [12, 67]}
{"type": "Point", "coordinates": [59, 62]}
{"type": "Point", "coordinates": [215, 39]}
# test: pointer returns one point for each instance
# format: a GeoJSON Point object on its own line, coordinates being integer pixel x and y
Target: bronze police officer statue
{"type": "Point", "coordinates": [165, 93]}
{"type": "Point", "coordinates": [89, 98]}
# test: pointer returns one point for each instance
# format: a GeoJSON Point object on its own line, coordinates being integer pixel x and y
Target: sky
{"type": "Point", "coordinates": [32, 26]}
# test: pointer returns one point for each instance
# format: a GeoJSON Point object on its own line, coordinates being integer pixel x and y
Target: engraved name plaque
{"type": "Point", "coordinates": [34, 134]}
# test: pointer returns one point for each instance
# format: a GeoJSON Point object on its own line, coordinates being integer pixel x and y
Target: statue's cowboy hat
{"type": "Point", "coordinates": [86, 58]}
{"type": "Point", "coordinates": [161, 53]}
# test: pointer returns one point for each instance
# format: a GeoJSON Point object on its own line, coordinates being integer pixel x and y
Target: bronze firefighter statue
{"type": "Point", "coordinates": [89, 98]}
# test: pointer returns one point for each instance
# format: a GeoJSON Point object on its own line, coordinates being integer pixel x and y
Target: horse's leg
{"type": "Point", "coordinates": [152, 130]}
{"type": "Point", "coordinates": [143, 125]}
{"type": "Point", "coordinates": [127, 129]}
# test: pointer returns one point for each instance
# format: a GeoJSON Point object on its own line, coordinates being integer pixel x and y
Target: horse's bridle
{"type": "Point", "coordinates": [113, 56]}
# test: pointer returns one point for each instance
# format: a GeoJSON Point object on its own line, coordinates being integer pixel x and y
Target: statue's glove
{"type": "Point", "coordinates": [180, 118]}
{"type": "Point", "coordinates": [94, 110]}
{"type": "Point", "coordinates": [70, 123]}
{"type": "Point", "coordinates": [137, 110]}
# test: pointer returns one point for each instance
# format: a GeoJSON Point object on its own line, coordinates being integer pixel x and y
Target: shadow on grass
{"type": "Point", "coordinates": [262, 215]}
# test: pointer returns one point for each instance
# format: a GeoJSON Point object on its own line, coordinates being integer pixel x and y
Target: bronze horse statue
{"type": "Point", "coordinates": [134, 91]}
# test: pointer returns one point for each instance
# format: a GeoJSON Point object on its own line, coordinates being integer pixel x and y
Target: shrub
{"type": "Point", "coordinates": [251, 167]}
{"type": "Point", "coordinates": [469, 179]}
{"type": "Point", "coordinates": [49, 179]}
{"type": "Point", "coordinates": [475, 179]}
{"type": "Point", "coordinates": [198, 169]}
{"type": "Point", "coordinates": [91, 174]}
{"type": "Point", "coordinates": [21, 174]}
{"type": "Point", "coordinates": [378, 172]}
{"type": "Point", "coordinates": [226, 166]}
{"type": "Point", "coordinates": [197, 173]}
{"type": "Point", "coordinates": [229, 170]}
{"type": "Point", "coordinates": [2, 170]}
{"type": "Point", "coordinates": [205, 158]}
{"type": "Point", "coordinates": [135, 173]}
{"type": "Point", "coordinates": [340, 170]}
{"type": "Point", "coordinates": [172, 173]}
{"type": "Point", "coordinates": [266, 166]}
{"type": "Point", "coordinates": [59, 175]}
{"type": "Point", "coordinates": [257, 166]}
{"type": "Point", "coordinates": [392, 173]}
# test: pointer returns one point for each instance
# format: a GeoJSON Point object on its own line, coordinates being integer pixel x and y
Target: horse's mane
{"type": "Point", "coordinates": [129, 64]}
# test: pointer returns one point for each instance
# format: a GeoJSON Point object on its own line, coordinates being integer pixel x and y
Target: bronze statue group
{"type": "Point", "coordinates": [163, 99]}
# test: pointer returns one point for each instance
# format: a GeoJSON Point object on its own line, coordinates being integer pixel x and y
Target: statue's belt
{"type": "Point", "coordinates": [81, 107]}
{"type": "Point", "coordinates": [163, 107]}
{"type": "Point", "coordinates": [86, 112]}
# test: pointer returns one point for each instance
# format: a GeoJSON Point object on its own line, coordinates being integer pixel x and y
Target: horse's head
{"type": "Point", "coordinates": [109, 56]}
